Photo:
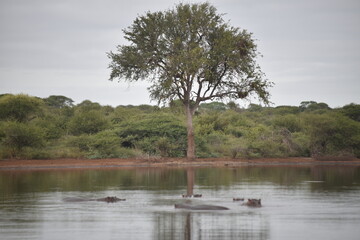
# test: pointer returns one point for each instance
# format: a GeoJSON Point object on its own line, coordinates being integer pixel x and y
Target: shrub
{"type": "Point", "coordinates": [289, 121]}
{"type": "Point", "coordinates": [16, 135]}
{"type": "Point", "coordinates": [150, 133]}
{"type": "Point", "coordinates": [87, 122]}
{"type": "Point", "coordinates": [332, 133]}
{"type": "Point", "coordinates": [105, 144]}
{"type": "Point", "coordinates": [19, 108]}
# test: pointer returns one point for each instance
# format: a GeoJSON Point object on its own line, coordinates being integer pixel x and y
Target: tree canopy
{"type": "Point", "coordinates": [58, 101]}
{"type": "Point", "coordinates": [19, 107]}
{"type": "Point", "coordinates": [191, 54]}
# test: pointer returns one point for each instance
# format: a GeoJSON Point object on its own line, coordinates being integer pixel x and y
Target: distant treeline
{"type": "Point", "coordinates": [53, 127]}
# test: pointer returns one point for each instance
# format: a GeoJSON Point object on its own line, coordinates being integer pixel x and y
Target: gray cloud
{"type": "Point", "coordinates": [311, 47]}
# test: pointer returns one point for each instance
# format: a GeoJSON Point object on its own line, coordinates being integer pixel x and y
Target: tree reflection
{"type": "Point", "coordinates": [207, 225]}
{"type": "Point", "coordinates": [333, 178]}
{"type": "Point", "coordinates": [187, 235]}
{"type": "Point", "coordinates": [153, 192]}
{"type": "Point", "coordinates": [14, 182]}
{"type": "Point", "coordinates": [190, 179]}
{"type": "Point", "coordinates": [189, 225]}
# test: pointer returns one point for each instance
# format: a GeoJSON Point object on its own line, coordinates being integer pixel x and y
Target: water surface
{"type": "Point", "coordinates": [319, 202]}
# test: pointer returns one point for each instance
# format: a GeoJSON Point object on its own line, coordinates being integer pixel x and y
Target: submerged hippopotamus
{"type": "Point", "coordinates": [190, 196]}
{"type": "Point", "coordinates": [105, 199]}
{"type": "Point", "coordinates": [253, 202]}
{"type": "Point", "coordinates": [200, 207]}
{"type": "Point", "coordinates": [110, 199]}
{"type": "Point", "coordinates": [238, 199]}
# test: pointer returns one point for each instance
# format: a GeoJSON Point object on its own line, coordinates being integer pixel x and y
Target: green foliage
{"type": "Point", "coordinates": [255, 107]}
{"type": "Point", "coordinates": [15, 136]}
{"type": "Point", "coordinates": [124, 113]}
{"type": "Point", "coordinates": [352, 111]}
{"type": "Point", "coordinates": [105, 144]}
{"type": "Point", "coordinates": [57, 101]}
{"type": "Point", "coordinates": [313, 106]}
{"type": "Point", "coordinates": [289, 121]}
{"type": "Point", "coordinates": [87, 105]}
{"type": "Point", "coordinates": [150, 133]}
{"type": "Point", "coordinates": [20, 107]}
{"type": "Point", "coordinates": [177, 107]}
{"type": "Point", "coordinates": [189, 42]}
{"type": "Point", "coordinates": [212, 121]}
{"type": "Point", "coordinates": [302, 142]}
{"type": "Point", "coordinates": [93, 131]}
{"type": "Point", "coordinates": [213, 106]}
{"type": "Point", "coordinates": [260, 142]}
{"type": "Point", "coordinates": [165, 147]}
{"type": "Point", "coordinates": [332, 134]}
{"type": "Point", "coordinates": [190, 54]}
{"type": "Point", "coordinates": [54, 126]}
{"type": "Point", "coordinates": [88, 122]}
{"type": "Point", "coordinates": [283, 110]}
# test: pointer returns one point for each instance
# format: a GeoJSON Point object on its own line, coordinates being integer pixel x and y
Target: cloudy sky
{"type": "Point", "coordinates": [310, 48]}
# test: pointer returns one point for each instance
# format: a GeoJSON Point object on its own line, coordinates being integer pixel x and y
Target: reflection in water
{"type": "Point", "coordinates": [189, 225]}
{"type": "Point", "coordinates": [170, 179]}
{"type": "Point", "coordinates": [298, 203]}
{"type": "Point", "coordinates": [187, 234]}
{"type": "Point", "coordinates": [199, 225]}
{"type": "Point", "coordinates": [333, 178]}
{"type": "Point", "coordinates": [190, 179]}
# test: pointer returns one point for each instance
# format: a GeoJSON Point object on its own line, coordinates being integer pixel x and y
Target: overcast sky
{"type": "Point", "coordinates": [310, 48]}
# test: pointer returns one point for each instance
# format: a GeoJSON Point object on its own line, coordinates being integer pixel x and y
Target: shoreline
{"type": "Point", "coordinates": [16, 164]}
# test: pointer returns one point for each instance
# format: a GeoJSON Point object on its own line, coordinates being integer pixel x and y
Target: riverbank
{"type": "Point", "coordinates": [16, 164]}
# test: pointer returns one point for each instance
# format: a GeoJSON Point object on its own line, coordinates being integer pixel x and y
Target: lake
{"type": "Point", "coordinates": [299, 202]}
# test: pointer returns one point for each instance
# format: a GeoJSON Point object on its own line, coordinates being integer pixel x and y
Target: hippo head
{"type": "Point", "coordinates": [254, 202]}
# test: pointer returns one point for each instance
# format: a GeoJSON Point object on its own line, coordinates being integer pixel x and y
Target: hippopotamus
{"type": "Point", "coordinates": [238, 199]}
{"type": "Point", "coordinates": [253, 202]}
{"type": "Point", "coordinates": [110, 199]}
{"type": "Point", "coordinates": [189, 196]}
{"type": "Point", "coordinates": [200, 207]}
{"type": "Point", "coordinates": [105, 199]}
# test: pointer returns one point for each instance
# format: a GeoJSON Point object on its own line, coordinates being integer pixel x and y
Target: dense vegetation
{"type": "Point", "coordinates": [53, 127]}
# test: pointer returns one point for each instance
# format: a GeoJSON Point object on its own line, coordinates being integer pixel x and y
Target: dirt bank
{"type": "Point", "coordinates": [163, 162]}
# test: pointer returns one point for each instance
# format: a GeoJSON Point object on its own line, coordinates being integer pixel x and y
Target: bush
{"type": "Point", "coordinates": [105, 144]}
{"type": "Point", "coordinates": [35, 153]}
{"type": "Point", "coordinates": [262, 141]}
{"type": "Point", "coordinates": [214, 144]}
{"type": "Point", "coordinates": [150, 133]}
{"type": "Point", "coordinates": [289, 121]}
{"type": "Point", "coordinates": [352, 111]}
{"type": "Point", "coordinates": [214, 120]}
{"type": "Point", "coordinates": [54, 128]}
{"type": "Point", "coordinates": [19, 108]}
{"type": "Point", "coordinates": [164, 147]}
{"type": "Point", "coordinates": [332, 133]}
{"type": "Point", "coordinates": [16, 135]}
{"type": "Point", "coordinates": [87, 123]}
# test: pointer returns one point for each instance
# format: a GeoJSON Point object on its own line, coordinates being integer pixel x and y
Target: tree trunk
{"type": "Point", "coordinates": [190, 133]}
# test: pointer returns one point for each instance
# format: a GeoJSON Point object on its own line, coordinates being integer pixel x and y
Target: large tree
{"type": "Point", "coordinates": [189, 53]}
